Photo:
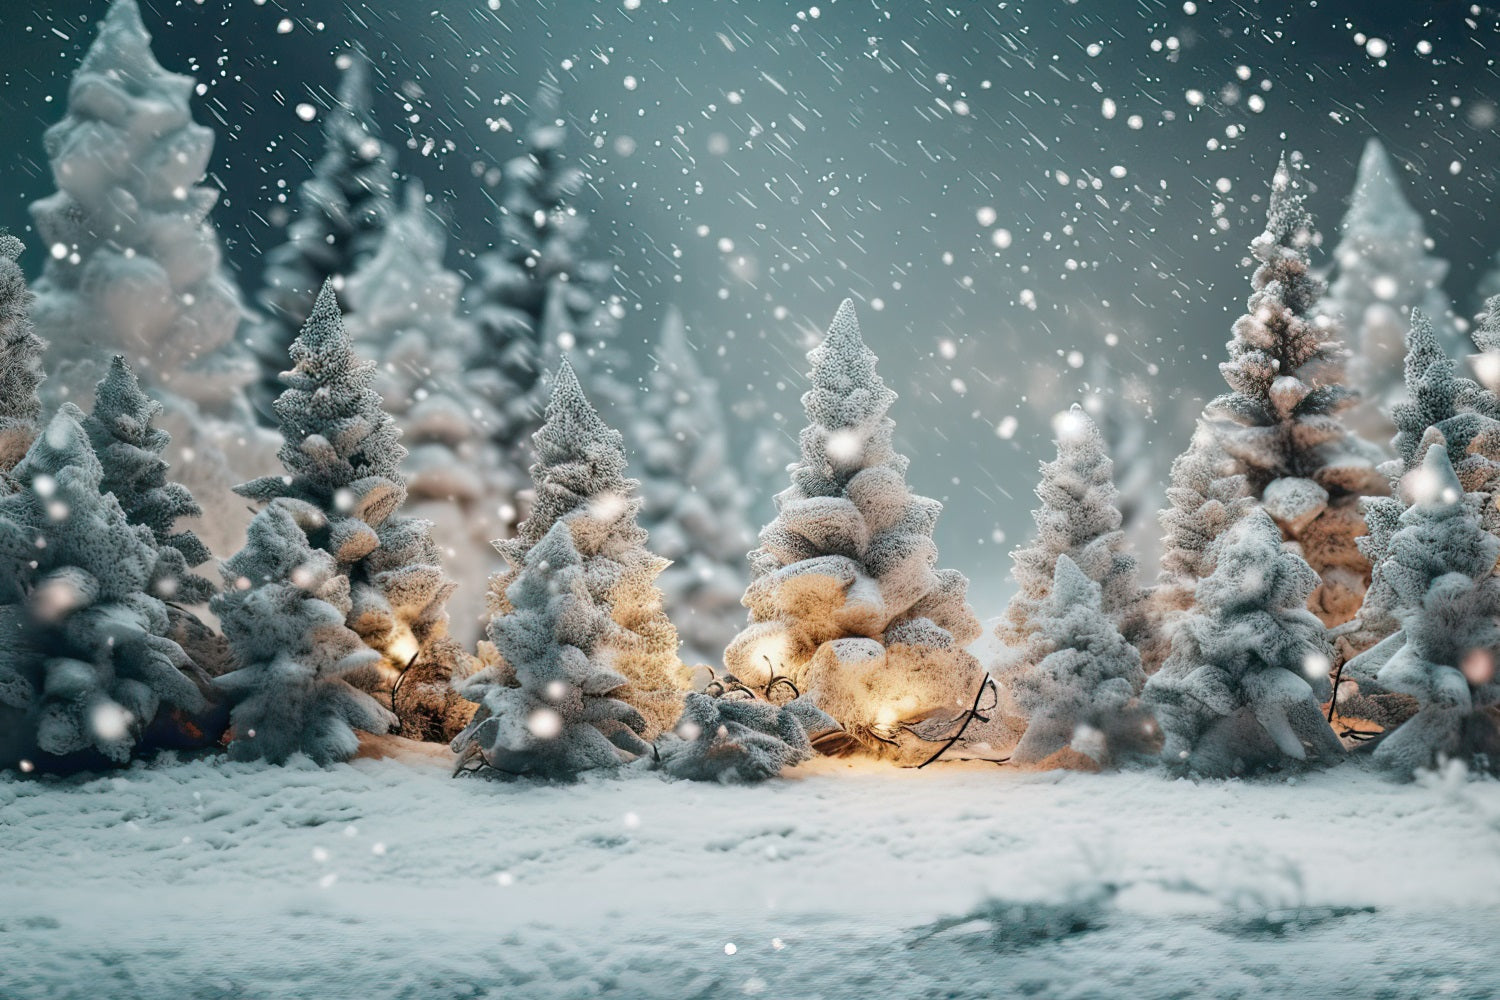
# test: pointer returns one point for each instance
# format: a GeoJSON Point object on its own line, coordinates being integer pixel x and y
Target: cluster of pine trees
{"type": "Point", "coordinates": [1317, 592]}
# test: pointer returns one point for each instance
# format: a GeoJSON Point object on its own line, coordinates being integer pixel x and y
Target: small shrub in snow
{"type": "Point", "coordinates": [740, 739]}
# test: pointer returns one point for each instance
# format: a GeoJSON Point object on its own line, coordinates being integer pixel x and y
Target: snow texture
{"type": "Point", "coordinates": [1076, 679]}
{"type": "Point", "coordinates": [1241, 689]}
{"type": "Point", "coordinates": [284, 612]}
{"type": "Point", "coordinates": [86, 663]}
{"type": "Point", "coordinates": [342, 210]}
{"type": "Point", "coordinates": [537, 297]}
{"type": "Point", "coordinates": [579, 478]}
{"type": "Point", "coordinates": [404, 317]}
{"type": "Point", "coordinates": [552, 706]}
{"type": "Point", "coordinates": [739, 740]}
{"type": "Point", "coordinates": [1080, 518]}
{"type": "Point", "coordinates": [844, 600]}
{"type": "Point", "coordinates": [20, 359]}
{"type": "Point", "coordinates": [1280, 418]}
{"type": "Point", "coordinates": [694, 502]}
{"type": "Point", "coordinates": [1383, 273]}
{"type": "Point", "coordinates": [1440, 569]}
{"type": "Point", "coordinates": [343, 459]}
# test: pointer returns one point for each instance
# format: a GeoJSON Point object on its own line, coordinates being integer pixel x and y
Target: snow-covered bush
{"type": "Point", "coordinates": [739, 739]}
{"type": "Point", "coordinates": [343, 458]}
{"type": "Point", "coordinates": [341, 212]}
{"type": "Point", "coordinates": [1280, 420]}
{"type": "Point", "coordinates": [404, 303]}
{"type": "Point", "coordinates": [20, 359]}
{"type": "Point", "coordinates": [1080, 518]}
{"type": "Point", "coordinates": [86, 664]}
{"type": "Point", "coordinates": [844, 600]}
{"type": "Point", "coordinates": [1383, 271]}
{"type": "Point", "coordinates": [1076, 680]}
{"type": "Point", "coordinates": [1440, 568]}
{"type": "Point", "coordinates": [284, 613]}
{"type": "Point", "coordinates": [1242, 687]}
{"type": "Point", "coordinates": [579, 477]}
{"type": "Point", "coordinates": [536, 296]}
{"type": "Point", "coordinates": [552, 705]}
{"type": "Point", "coordinates": [693, 498]}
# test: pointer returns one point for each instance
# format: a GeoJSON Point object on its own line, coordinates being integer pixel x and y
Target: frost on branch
{"type": "Point", "coordinates": [579, 477]}
{"type": "Point", "coordinates": [284, 613]}
{"type": "Point", "coordinates": [1080, 518]}
{"type": "Point", "coordinates": [844, 600]}
{"type": "Point", "coordinates": [341, 212]}
{"type": "Point", "coordinates": [1383, 273]}
{"type": "Point", "coordinates": [1440, 569]}
{"type": "Point", "coordinates": [740, 740]}
{"type": "Point", "coordinates": [343, 460]}
{"type": "Point", "coordinates": [1280, 420]}
{"type": "Point", "coordinates": [537, 297]}
{"type": "Point", "coordinates": [404, 303]}
{"type": "Point", "coordinates": [20, 359]}
{"type": "Point", "coordinates": [1242, 687]}
{"type": "Point", "coordinates": [1076, 679]}
{"type": "Point", "coordinates": [693, 498]}
{"type": "Point", "coordinates": [551, 705]}
{"type": "Point", "coordinates": [86, 664]}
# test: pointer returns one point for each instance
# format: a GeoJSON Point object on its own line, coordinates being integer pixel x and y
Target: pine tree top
{"type": "Point", "coordinates": [1433, 388]}
{"type": "Point", "coordinates": [847, 391]}
{"type": "Point", "coordinates": [1378, 203]}
{"type": "Point", "coordinates": [121, 406]}
{"type": "Point", "coordinates": [121, 52]}
{"type": "Point", "coordinates": [1487, 333]}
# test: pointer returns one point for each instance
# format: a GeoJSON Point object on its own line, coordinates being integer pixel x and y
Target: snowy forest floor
{"type": "Point", "coordinates": [384, 878]}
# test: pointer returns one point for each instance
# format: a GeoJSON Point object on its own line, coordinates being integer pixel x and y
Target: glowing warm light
{"type": "Point", "coordinates": [404, 649]}
{"type": "Point", "coordinates": [843, 445]}
{"type": "Point", "coordinates": [545, 724]}
{"type": "Point", "coordinates": [1478, 667]}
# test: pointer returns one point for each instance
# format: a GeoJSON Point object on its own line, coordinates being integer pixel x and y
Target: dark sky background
{"type": "Point", "coordinates": [1006, 189]}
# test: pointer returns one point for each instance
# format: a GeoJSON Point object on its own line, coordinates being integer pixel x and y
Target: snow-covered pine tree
{"type": "Point", "coordinates": [86, 664]}
{"type": "Point", "coordinates": [579, 477]}
{"type": "Point", "coordinates": [1079, 517]}
{"type": "Point", "coordinates": [284, 611]}
{"type": "Point", "coordinates": [1076, 680]}
{"type": "Point", "coordinates": [1383, 271]}
{"type": "Point", "coordinates": [404, 303]}
{"type": "Point", "coordinates": [343, 457]}
{"type": "Point", "coordinates": [341, 213]}
{"type": "Point", "coordinates": [135, 266]}
{"type": "Point", "coordinates": [733, 740]}
{"type": "Point", "coordinates": [1440, 567]}
{"type": "Point", "coordinates": [551, 704]}
{"type": "Point", "coordinates": [20, 359]}
{"type": "Point", "coordinates": [1242, 688]}
{"type": "Point", "coordinates": [844, 600]}
{"type": "Point", "coordinates": [537, 297]}
{"type": "Point", "coordinates": [1280, 420]}
{"type": "Point", "coordinates": [693, 499]}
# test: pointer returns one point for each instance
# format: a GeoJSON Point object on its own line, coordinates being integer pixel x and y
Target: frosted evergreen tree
{"type": "Point", "coordinates": [694, 500]}
{"type": "Point", "coordinates": [552, 706]}
{"type": "Point", "coordinates": [136, 268]}
{"type": "Point", "coordinates": [536, 296]}
{"type": "Point", "coordinates": [579, 477]}
{"type": "Point", "coordinates": [20, 359]}
{"type": "Point", "coordinates": [740, 740]}
{"type": "Point", "coordinates": [341, 214]}
{"type": "Point", "coordinates": [1242, 688]}
{"type": "Point", "coordinates": [1280, 420]}
{"type": "Point", "coordinates": [86, 664]}
{"type": "Point", "coordinates": [1440, 567]}
{"type": "Point", "coordinates": [1076, 680]}
{"type": "Point", "coordinates": [844, 598]}
{"type": "Point", "coordinates": [1120, 407]}
{"type": "Point", "coordinates": [404, 317]}
{"type": "Point", "coordinates": [284, 612]}
{"type": "Point", "coordinates": [1079, 517]}
{"type": "Point", "coordinates": [1383, 271]}
{"type": "Point", "coordinates": [343, 457]}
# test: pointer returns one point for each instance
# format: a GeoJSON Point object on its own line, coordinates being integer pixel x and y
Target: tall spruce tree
{"type": "Point", "coordinates": [1280, 420]}
{"type": "Point", "coordinates": [20, 359]}
{"type": "Point", "coordinates": [343, 460]}
{"type": "Point", "coordinates": [694, 501]}
{"type": "Point", "coordinates": [340, 215]}
{"type": "Point", "coordinates": [844, 598]}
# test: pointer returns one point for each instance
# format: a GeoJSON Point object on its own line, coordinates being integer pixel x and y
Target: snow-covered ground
{"type": "Point", "coordinates": [384, 878]}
